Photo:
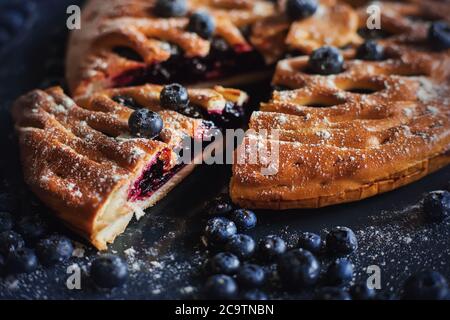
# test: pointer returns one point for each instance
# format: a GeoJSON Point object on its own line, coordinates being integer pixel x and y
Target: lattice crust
{"type": "Point", "coordinates": [80, 159]}
{"type": "Point", "coordinates": [337, 145]}
{"type": "Point", "coordinates": [335, 23]}
{"type": "Point", "coordinates": [91, 62]}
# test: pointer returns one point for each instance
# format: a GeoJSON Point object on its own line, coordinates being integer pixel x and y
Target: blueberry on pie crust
{"type": "Point", "coordinates": [83, 159]}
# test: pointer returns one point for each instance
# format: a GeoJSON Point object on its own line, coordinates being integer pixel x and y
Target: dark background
{"type": "Point", "coordinates": [166, 257]}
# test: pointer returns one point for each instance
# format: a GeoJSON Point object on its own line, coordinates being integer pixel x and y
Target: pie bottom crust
{"type": "Point", "coordinates": [366, 190]}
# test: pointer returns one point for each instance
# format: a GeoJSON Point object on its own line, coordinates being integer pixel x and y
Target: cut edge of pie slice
{"type": "Point", "coordinates": [373, 128]}
{"type": "Point", "coordinates": [81, 161]}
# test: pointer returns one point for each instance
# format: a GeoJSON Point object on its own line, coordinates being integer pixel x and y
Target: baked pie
{"type": "Point", "coordinates": [133, 42]}
{"type": "Point", "coordinates": [87, 161]}
{"type": "Point", "coordinates": [351, 124]}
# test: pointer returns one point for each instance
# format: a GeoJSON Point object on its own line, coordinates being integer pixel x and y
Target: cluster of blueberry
{"type": "Point", "coordinates": [299, 267]}
{"type": "Point", "coordinates": [296, 268]}
{"type": "Point", "coordinates": [28, 240]}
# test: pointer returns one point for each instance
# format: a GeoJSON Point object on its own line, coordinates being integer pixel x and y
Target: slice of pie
{"type": "Point", "coordinates": [81, 160]}
{"type": "Point", "coordinates": [370, 128]}
{"type": "Point", "coordinates": [133, 42]}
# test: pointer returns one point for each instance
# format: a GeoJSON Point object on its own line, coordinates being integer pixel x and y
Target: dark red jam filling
{"type": "Point", "coordinates": [223, 61]}
{"type": "Point", "coordinates": [152, 179]}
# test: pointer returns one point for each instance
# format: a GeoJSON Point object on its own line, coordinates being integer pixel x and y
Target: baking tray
{"type": "Point", "coordinates": [163, 249]}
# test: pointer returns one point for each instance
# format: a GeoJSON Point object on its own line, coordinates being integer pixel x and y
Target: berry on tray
{"type": "Point", "coordinates": [219, 230]}
{"type": "Point", "coordinates": [32, 227]}
{"type": "Point", "coordinates": [109, 271]}
{"type": "Point", "coordinates": [22, 260]}
{"type": "Point", "coordinates": [436, 205]}
{"type": "Point", "coordinates": [271, 247]}
{"type": "Point", "coordinates": [251, 276]}
{"type": "Point", "coordinates": [426, 285]}
{"type": "Point", "coordinates": [241, 245]}
{"type": "Point", "coordinates": [244, 219]}
{"type": "Point", "coordinates": [224, 263]}
{"type": "Point", "coordinates": [10, 241]}
{"type": "Point", "coordinates": [310, 241]}
{"type": "Point", "coordinates": [220, 287]}
{"type": "Point", "coordinates": [341, 241]}
{"type": "Point", "coordinates": [298, 268]}
{"type": "Point", "coordinates": [340, 272]}
{"type": "Point", "coordinates": [54, 249]}
{"type": "Point", "coordinates": [362, 292]}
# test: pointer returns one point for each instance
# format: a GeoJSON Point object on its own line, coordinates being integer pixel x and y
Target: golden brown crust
{"type": "Point", "coordinates": [80, 159]}
{"type": "Point", "coordinates": [337, 145]}
{"type": "Point", "coordinates": [92, 64]}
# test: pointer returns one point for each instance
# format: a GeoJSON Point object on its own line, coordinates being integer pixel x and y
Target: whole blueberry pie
{"type": "Point", "coordinates": [101, 159]}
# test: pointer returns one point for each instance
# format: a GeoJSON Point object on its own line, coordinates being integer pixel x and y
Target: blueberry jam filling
{"type": "Point", "coordinates": [222, 61]}
{"type": "Point", "coordinates": [152, 179]}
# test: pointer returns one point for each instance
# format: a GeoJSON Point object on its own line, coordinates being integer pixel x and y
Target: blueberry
{"type": "Point", "coordinates": [341, 241]}
{"type": "Point", "coordinates": [219, 230]}
{"type": "Point", "coordinates": [426, 285]}
{"type": "Point", "coordinates": [362, 292]}
{"type": "Point", "coordinates": [271, 247]}
{"type": "Point", "coordinates": [326, 60]}
{"type": "Point", "coordinates": [202, 24]}
{"type": "Point", "coordinates": [301, 9]}
{"type": "Point", "coordinates": [170, 8]}
{"type": "Point", "coordinates": [439, 35]}
{"type": "Point", "coordinates": [220, 287]}
{"type": "Point", "coordinates": [109, 271]}
{"type": "Point", "coordinates": [6, 221]}
{"type": "Point", "coordinates": [330, 293]}
{"type": "Point", "coordinates": [251, 276]}
{"type": "Point", "coordinates": [370, 50]}
{"type": "Point", "coordinates": [218, 207]}
{"type": "Point", "coordinates": [254, 295]}
{"type": "Point", "coordinates": [241, 245]}
{"type": "Point", "coordinates": [340, 272]}
{"type": "Point", "coordinates": [54, 249]}
{"type": "Point", "coordinates": [224, 263]}
{"type": "Point", "coordinates": [22, 260]}
{"type": "Point", "coordinates": [10, 241]}
{"type": "Point", "coordinates": [244, 219]}
{"type": "Point", "coordinates": [436, 206]}
{"type": "Point", "coordinates": [298, 268]}
{"type": "Point", "coordinates": [174, 96]}
{"type": "Point", "coordinates": [145, 123]}
{"type": "Point", "coordinates": [310, 241]}
{"type": "Point", "coordinates": [32, 227]}
{"type": "Point", "coordinates": [127, 102]}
